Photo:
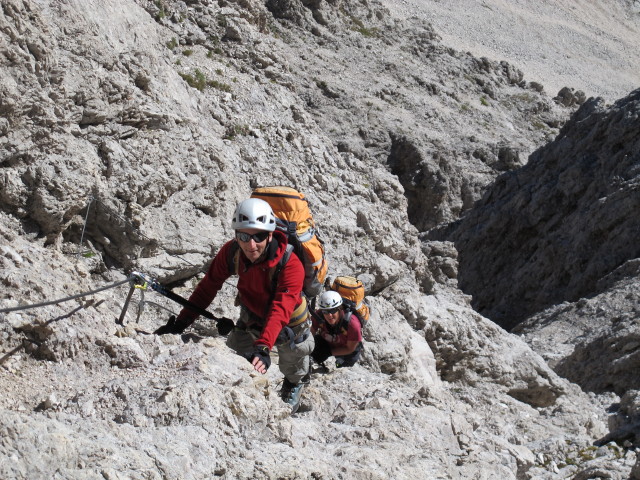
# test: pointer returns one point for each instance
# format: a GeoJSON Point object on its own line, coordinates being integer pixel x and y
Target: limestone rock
{"type": "Point", "coordinates": [562, 219]}
{"type": "Point", "coordinates": [131, 129]}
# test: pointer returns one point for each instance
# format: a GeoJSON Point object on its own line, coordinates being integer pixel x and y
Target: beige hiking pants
{"type": "Point", "coordinates": [293, 352]}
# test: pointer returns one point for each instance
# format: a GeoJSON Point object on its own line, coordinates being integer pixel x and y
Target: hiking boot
{"type": "Point", "coordinates": [291, 393]}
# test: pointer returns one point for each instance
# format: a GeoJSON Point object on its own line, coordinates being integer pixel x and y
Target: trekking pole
{"type": "Point", "coordinates": [143, 280]}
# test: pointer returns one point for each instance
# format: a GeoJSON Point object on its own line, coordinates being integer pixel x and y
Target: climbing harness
{"type": "Point", "coordinates": [143, 281]}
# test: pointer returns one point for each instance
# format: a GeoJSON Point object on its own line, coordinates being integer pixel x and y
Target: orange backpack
{"type": "Point", "coordinates": [352, 292]}
{"type": "Point", "coordinates": [293, 217]}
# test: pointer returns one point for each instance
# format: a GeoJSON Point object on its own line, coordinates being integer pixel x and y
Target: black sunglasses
{"type": "Point", "coordinates": [256, 237]}
{"type": "Point", "coordinates": [332, 310]}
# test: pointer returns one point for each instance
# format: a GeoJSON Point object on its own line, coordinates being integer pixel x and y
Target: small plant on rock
{"type": "Point", "coordinates": [219, 85]}
{"type": "Point", "coordinates": [234, 130]}
{"type": "Point", "coordinates": [161, 10]}
{"type": "Point", "coordinates": [173, 43]}
{"type": "Point", "coordinates": [197, 80]}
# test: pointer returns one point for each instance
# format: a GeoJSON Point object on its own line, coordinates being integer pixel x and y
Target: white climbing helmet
{"type": "Point", "coordinates": [254, 213]}
{"type": "Point", "coordinates": [329, 300]}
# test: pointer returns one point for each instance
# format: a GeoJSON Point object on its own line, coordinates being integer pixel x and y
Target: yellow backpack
{"type": "Point", "coordinates": [294, 218]}
{"type": "Point", "coordinates": [352, 292]}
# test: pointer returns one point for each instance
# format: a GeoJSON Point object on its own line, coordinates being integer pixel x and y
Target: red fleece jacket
{"type": "Point", "coordinates": [254, 287]}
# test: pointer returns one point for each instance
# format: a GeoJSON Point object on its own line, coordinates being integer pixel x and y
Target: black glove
{"type": "Point", "coordinates": [261, 352]}
{"type": "Point", "coordinates": [171, 327]}
{"type": "Point", "coordinates": [224, 325]}
{"type": "Point", "coordinates": [321, 349]}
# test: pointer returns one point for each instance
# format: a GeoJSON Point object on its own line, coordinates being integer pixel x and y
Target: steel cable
{"type": "Point", "coordinates": [61, 300]}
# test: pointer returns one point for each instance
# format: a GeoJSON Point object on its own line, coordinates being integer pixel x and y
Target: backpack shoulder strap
{"type": "Point", "coordinates": [347, 317]}
{"type": "Point", "coordinates": [274, 273]}
{"type": "Point", "coordinates": [343, 326]}
{"type": "Point", "coordinates": [233, 258]}
{"type": "Point", "coordinates": [353, 313]}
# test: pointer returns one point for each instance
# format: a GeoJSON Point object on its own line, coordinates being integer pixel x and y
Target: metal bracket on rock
{"type": "Point", "coordinates": [139, 281]}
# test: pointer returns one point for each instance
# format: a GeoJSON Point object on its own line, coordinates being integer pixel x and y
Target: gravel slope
{"type": "Point", "coordinates": [589, 45]}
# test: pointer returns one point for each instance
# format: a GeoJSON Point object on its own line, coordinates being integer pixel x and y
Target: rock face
{"type": "Point", "coordinates": [594, 341]}
{"type": "Point", "coordinates": [563, 221]}
{"type": "Point", "coordinates": [129, 132]}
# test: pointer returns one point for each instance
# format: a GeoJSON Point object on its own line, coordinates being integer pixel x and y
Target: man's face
{"type": "Point", "coordinates": [251, 244]}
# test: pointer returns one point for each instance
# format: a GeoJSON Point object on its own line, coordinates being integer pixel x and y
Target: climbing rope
{"type": "Point", "coordinates": [61, 300]}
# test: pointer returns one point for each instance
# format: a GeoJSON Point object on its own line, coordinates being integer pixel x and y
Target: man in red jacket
{"type": "Point", "coordinates": [273, 309]}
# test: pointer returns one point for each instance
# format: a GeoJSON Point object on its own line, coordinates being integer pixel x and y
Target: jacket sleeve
{"type": "Point", "coordinates": [209, 286]}
{"type": "Point", "coordinates": [287, 297]}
